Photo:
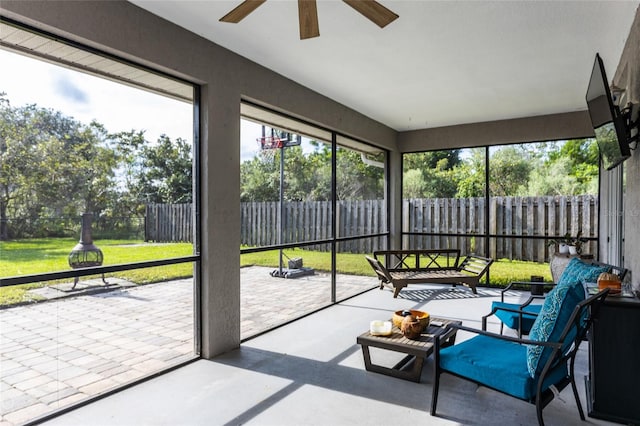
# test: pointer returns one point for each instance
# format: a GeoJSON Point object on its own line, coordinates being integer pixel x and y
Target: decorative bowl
{"type": "Point", "coordinates": [421, 316]}
{"type": "Point", "coordinates": [411, 328]}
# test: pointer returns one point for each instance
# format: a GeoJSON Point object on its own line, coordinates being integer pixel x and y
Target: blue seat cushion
{"type": "Point", "coordinates": [512, 319]}
{"type": "Point", "coordinates": [497, 364]}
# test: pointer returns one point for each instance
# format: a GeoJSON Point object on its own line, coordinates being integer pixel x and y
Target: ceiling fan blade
{"type": "Point", "coordinates": [374, 11]}
{"type": "Point", "coordinates": [241, 11]}
{"type": "Point", "coordinates": [308, 17]}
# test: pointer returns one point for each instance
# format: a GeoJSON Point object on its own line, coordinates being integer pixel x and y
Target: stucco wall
{"type": "Point", "coordinates": [628, 75]}
{"type": "Point", "coordinates": [530, 129]}
{"type": "Point", "coordinates": [632, 220]}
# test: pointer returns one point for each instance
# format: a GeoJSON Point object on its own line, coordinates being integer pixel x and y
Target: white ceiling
{"type": "Point", "coordinates": [441, 63]}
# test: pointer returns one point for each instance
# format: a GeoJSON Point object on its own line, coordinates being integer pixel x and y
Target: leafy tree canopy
{"type": "Point", "coordinates": [52, 165]}
{"type": "Point", "coordinates": [569, 168]}
{"type": "Point", "coordinates": [307, 177]}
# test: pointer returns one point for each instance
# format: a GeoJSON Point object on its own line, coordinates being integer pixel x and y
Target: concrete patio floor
{"type": "Point", "coordinates": [311, 372]}
{"type": "Point", "coordinates": [81, 343]}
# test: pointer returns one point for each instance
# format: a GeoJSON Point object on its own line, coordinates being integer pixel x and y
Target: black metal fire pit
{"type": "Point", "coordinates": [85, 254]}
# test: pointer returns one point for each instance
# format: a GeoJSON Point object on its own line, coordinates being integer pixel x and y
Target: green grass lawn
{"type": "Point", "coordinates": [35, 256]}
{"type": "Point", "coordinates": [503, 271]}
{"type": "Point", "coordinates": [26, 257]}
{"type": "Point", "coordinates": [347, 263]}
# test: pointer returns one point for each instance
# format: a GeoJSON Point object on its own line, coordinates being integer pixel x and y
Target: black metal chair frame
{"type": "Point", "coordinates": [521, 307]}
{"type": "Point", "coordinates": [622, 272]}
{"type": "Point", "coordinates": [590, 306]}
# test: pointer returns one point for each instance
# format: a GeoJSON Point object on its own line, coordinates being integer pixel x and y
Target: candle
{"type": "Point", "coordinates": [380, 328]}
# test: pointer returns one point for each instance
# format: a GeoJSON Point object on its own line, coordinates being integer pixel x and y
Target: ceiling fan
{"type": "Point", "coordinates": [308, 14]}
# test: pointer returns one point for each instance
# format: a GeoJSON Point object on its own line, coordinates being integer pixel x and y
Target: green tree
{"type": "Point", "coordinates": [470, 175]}
{"type": "Point", "coordinates": [356, 179]}
{"type": "Point", "coordinates": [260, 180]}
{"type": "Point", "coordinates": [580, 160]}
{"type": "Point", "coordinates": [440, 181]}
{"type": "Point", "coordinates": [50, 165]}
{"type": "Point", "coordinates": [413, 184]}
{"type": "Point", "coordinates": [307, 176]}
{"type": "Point", "coordinates": [14, 160]}
{"type": "Point", "coordinates": [509, 171]}
{"type": "Point", "coordinates": [166, 175]}
{"type": "Point", "coordinates": [127, 147]}
{"type": "Point", "coordinates": [554, 179]}
{"type": "Point", "coordinates": [437, 177]}
{"type": "Point", "coordinates": [160, 172]}
{"type": "Point", "coordinates": [431, 159]}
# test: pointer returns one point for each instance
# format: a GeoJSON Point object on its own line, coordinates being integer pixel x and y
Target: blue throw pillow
{"type": "Point", "coordinates": [578, 272]}
{"type": "Point", "coordinates": [554, 315]}
{"type": "Point", "coordinates": [557, 309]}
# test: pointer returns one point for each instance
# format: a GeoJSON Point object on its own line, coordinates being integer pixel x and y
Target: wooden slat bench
{"type": "Point", "coordinates": [404, 267]}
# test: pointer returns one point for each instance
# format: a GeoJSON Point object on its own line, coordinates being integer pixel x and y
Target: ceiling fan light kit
{"type": "Point", "coordinates": [308, 14]}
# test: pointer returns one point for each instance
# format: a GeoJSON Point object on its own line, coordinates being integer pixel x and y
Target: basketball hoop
{"type": "Point", "coordinates": [269, 145]}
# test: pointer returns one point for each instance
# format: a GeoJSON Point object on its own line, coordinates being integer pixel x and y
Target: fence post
{"type": "Point", "coordinates": [493, 226]}
{"type": "Point", "coordinates": [529, 254]}
{"type": "Point", "coordinates": [541, 227]}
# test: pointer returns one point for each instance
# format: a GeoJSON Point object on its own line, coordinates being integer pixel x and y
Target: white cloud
{"type": "Point", "coordinates": [65, 87]}
{"type": "Point", "coordinates": [118, 107]}
{"type": "Point", "coordinates": [85, 98]}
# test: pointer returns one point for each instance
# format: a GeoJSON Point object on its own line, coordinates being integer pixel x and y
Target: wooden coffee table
{"type": "Point", "coordinates": [410, 367]}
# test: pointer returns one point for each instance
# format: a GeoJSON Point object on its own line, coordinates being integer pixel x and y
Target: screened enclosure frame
{"type": "Point", "coordinates": [334, 240]}
{"type": "Point", "coordinates": [175, 88]}
{"type": "Point", "coordinates": [487, 236]}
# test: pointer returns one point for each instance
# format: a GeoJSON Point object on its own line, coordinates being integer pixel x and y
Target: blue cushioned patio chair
{"type": "Point", "coordinates": [528, 369]}
{"type": "Point", "coordinates": [520, 317]}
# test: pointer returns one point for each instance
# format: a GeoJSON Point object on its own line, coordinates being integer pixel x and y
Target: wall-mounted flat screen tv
{"type": "Point", "coordinates": [609, 125]}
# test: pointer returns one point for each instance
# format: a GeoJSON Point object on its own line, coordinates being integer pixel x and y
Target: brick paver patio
{"type": "Point", "coordinates": [56, 353]}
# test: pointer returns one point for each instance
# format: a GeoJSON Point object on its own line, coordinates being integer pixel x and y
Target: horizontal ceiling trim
{"type": "Point", "coordinates": [561, 126]}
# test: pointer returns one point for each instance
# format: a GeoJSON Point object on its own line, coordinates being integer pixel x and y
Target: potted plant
{"type": "Point", "coordinates": [562, 243]}
{"type": "Point", "coordinates": [575, 243]}
{"type": "Point", "coordinates": [569, 244]}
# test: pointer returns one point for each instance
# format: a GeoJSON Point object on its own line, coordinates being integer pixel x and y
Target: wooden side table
{"type": "Point", "coordinates": [410, 367]}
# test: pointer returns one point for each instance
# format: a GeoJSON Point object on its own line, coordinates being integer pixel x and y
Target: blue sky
{"type": "Point", "coordinates": [118, 107]}
{"type": "Point", "coordinates": [85, 97]}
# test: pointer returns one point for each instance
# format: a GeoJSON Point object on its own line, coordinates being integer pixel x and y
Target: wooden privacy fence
{"type": "Point", "coordinates": [311, 220]}
{"type": "Point", "coordinates": [168, 222]}
{"type": "Point", "coordinates": [519, 217]}
{"type": "Point", "coordinates": [509, 217]}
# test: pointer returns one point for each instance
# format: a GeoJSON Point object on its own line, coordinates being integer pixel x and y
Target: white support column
{"type": "Point", "coordinates": [220, 295]}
